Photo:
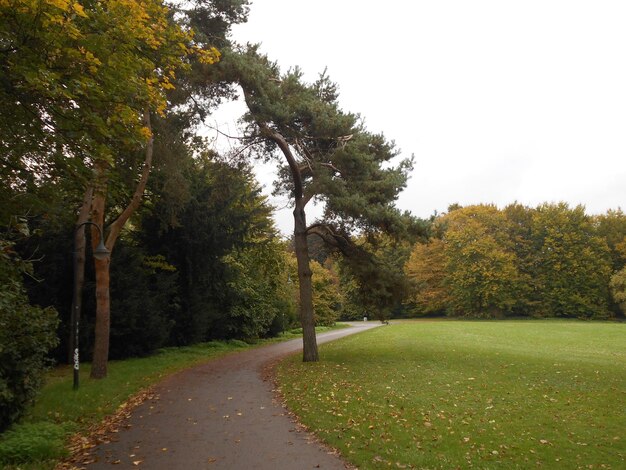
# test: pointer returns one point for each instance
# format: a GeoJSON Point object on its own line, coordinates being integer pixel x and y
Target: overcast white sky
{"type": "Point", "coordinates": [498, 100]}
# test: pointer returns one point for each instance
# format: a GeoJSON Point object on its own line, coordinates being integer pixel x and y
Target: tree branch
{"type": "Point", "coordinates": [228, 136]}
{"type": "Point", "coordinates": [306, 198]}
{"type": "Point", "coordinates": [332, 167]}
{"type": "Point", "coordinates": [331, 237]}
{"type": "Point", "coordinates": [116, 226]}
{"type": "Point", "coordinates": [291, 160]}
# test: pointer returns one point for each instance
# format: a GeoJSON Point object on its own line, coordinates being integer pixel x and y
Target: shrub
{"type": "Point", "coordinates": [27, 333]}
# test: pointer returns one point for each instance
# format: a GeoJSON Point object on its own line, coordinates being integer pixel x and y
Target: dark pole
{"type": "Point", "coordinates": [100, 252]}
{"type": "Point", "coordinates": [75, 316]}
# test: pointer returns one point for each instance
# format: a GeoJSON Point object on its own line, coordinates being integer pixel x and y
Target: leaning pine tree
{"type": "Point", "coordinates": [325, 155]}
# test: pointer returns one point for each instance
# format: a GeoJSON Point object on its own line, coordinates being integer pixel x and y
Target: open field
{"type": "Point", "coordinates": [458, 394]}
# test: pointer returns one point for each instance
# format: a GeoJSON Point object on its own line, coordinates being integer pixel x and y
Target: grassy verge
{"type": "Point", "coordinates": [39, 440]}
{"type": "Point", "coordinates": [516, 394]}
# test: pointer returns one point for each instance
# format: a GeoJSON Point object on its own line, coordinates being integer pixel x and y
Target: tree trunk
{"type": "Point", "coordinates": [309, 341]}
{"type": "Point", "coordinates": [103, 313]}
{"type": "Point", "coordinates": [102, 267]}
{"type": "Point", "coordinates": [79, 274]}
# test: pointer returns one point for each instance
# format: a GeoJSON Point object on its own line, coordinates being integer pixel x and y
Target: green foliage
{"type": "Point", "coordinates": [612, 228]}
{"type": "Point", "coordinates": [71, 97]}
{"type": "Point", "coordinates": [459, 394]}
{"type": "Point", "coordinates": [618, 289]}
{"type": "Point", "coordinates": [326, 295]}
{"type": "Point", "coordinates": [255, 281]}
{"type": "Point", "coordinates": [375, 268]}
{"type": "Point", "coordinates": [573, 263]}
{"type": "Point", "coordinates": [481, 268]}
{"type": "Point", "coordinates": [218, 236]}
{"type": "Point", "coordinates": [144, 302]}
{"type": "Point", "coordinates": [351, 309]}
{"type": "Point", "coordinates": [26, 336]}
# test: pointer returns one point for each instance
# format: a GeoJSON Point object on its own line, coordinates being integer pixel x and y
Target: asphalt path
{"type": "Point", "coordinates": [223, 414]}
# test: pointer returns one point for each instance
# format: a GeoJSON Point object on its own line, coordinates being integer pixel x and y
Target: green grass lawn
{"type": "Point", "coordinates": [39, 440]}
{"type": "Point", "coordinates": [458, 394]}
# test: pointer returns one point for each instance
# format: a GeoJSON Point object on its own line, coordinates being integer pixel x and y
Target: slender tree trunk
{"type": "Point", "coordinates": [103, 312]}
{"type": "Point", "coordinates": [103, 320]}
{"type": "Point", "coordinates": [309, 347]}
{"type": "Point", "coordinates": [79, 273]}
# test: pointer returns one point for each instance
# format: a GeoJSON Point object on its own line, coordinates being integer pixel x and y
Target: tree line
{"type": "Point", "coordinates": [552, 260]}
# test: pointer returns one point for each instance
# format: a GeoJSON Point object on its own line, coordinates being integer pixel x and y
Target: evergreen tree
{"type": "Point", "coordinates": [327, 155]}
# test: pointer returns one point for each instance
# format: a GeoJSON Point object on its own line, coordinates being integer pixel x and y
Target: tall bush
{"type": "Point", "coordinates": [27, 333]}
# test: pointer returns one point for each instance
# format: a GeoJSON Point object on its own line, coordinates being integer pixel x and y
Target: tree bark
{"type": "Point", "coordinates": [307, 319]}
{"type": "Point", "coordinates": [79, 272]}
{"type": "Point", "coordinates": [103, 304]}
{"type": "Point", "coordinates": [102, 267]}
{"type": "Point", "coordinates": [309, 340]}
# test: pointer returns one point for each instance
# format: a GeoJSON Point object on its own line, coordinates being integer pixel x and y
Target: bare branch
{"type": "Point", "coordinates": [229, 136]}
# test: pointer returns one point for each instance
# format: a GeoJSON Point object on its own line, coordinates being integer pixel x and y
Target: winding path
{"type": "Point", "coordinates": [221, 414]}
